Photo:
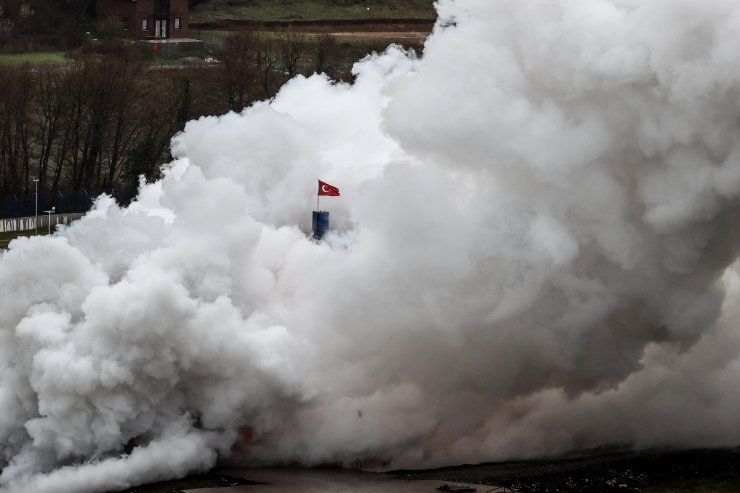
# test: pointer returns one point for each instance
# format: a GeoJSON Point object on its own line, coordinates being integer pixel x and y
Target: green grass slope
{"type": "Point", "coordinates": [34, 58]}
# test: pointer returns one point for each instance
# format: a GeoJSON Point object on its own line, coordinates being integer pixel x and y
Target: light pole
{"type": "Point", "coordinates": [36, 218]}
{"type": "Point", "coordinates": [50, 212]}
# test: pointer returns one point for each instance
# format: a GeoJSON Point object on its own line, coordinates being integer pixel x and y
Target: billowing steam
{"type": "Point", "coordinates": [533, 252]}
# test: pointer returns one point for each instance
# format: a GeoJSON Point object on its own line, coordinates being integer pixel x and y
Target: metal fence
{"type": "Point", "coordinates": [12, 206]}
{"type": "Point", "coordinates": [44, 222]}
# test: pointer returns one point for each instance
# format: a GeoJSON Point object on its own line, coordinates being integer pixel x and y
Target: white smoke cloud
{"type": "Point", "coordinates": [533, 252]}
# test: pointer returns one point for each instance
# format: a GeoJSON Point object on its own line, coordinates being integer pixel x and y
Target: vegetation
{"type": "Point", "coordinates": [61, 25]}
{"type": "Point", "coordinates": [311, 10]}
{"type": "Point", "coordinates": [107, 117]}
{"type": "Point", "coordinates": [43, 25]}
{"type": "Point", "coordinates": [84, 128]}
{"type": "Point", "coordinates": [35, 58]}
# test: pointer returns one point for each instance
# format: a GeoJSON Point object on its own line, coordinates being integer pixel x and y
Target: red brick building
{"type": "Point", "coordinates": [148, 19]}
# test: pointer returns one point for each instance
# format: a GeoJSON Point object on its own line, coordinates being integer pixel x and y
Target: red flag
{"type": "Point", "coordinates": [326, 189]}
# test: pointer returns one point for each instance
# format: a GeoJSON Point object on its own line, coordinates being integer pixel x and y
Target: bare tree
{"type": "Point", "coordinates": [168, 109]}
{"type": "Point", "coordinates": [239, 68]}
{"type": "Point", "coordinates": [6, 23]}
{"type": "Point", "coordinates": [267, 62]}
{"type": "Point", "coordinates": [327, 55]}
{"type": "Point", "coordinates": [15, 104]}
{"type": "Point", "coordinates": [50, 108]}
{"type": "Point", "coordinates": [292, 46]}
{"type": "Point", "coordinates": [99, 92]}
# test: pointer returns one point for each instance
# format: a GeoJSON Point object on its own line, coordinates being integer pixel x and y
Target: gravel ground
{"type": "Point", "coordinates": [595, 471]}
{"type": "Point", "coordinates": [657, 471]}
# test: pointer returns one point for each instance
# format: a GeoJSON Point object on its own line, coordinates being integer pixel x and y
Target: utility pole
{"type": "Point", "coordinates": [36, 214]}
{"type": "Point", "coordinates": [50, 212]}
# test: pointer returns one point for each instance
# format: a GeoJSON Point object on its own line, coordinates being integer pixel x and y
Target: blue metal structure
{"type": "Point", "coordinates": [320, 224]}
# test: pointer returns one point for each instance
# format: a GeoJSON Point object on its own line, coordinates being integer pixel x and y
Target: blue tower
{"type": "Point", "coordinates": [320, 224]}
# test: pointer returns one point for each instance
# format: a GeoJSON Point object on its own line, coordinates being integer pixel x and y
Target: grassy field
{"type": "Point", "coordinates": [35, 58]}
{"type": "Point", "coordinates": [6, 238]}
{"type": "Point", "coordinates": [311, 10]}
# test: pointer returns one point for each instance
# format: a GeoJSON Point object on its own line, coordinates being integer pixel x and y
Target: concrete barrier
{"type": "Point", "coordinates": [28, 223]}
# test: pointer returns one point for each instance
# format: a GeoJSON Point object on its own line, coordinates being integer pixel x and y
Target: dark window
{"type": "Point", "coordinates": [162, 7]}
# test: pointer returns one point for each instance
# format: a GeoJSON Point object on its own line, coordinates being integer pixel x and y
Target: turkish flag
{"type": "Point", "coordinates": [326, 189]}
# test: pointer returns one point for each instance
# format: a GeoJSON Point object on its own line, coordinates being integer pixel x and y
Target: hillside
{"type": "Point", "coordinates": [214, 11]}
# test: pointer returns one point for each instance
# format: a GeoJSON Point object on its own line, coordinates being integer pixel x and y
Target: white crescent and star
{"type": "Point", "coordinates": [324, 189]}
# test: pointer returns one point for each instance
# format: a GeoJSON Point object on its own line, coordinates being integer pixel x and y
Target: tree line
{"type": "Point", "coordinates": [107, 117]}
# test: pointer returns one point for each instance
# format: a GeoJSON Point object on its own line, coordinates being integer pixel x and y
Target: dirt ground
{"type": "Point", "coordinates": [593, 471]}
{"type": "Point", "coordinates": [656, 471]}
{"type": "Point", "coordinates": [325, 27]}
{"type": "Point", "coordinates": [407, 35]}
{"type": "Point", "coordinates": [406, 30]}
